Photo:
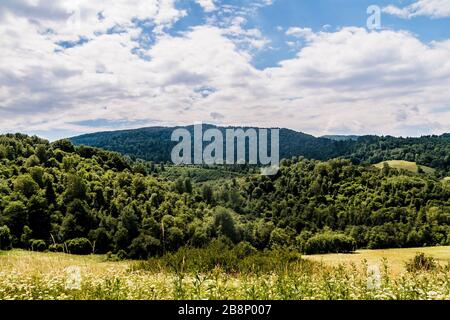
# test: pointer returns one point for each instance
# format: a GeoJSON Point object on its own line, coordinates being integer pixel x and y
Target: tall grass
{"type": "Point", "coordinates": [179, 277]}
{"type": "Point", "coordinates": [239, 259]}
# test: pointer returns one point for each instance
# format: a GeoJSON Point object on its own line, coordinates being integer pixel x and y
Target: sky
{"type": "Point", "coordinates": [322, 67]}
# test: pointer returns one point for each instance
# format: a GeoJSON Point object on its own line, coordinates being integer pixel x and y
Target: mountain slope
{"type": "Point", "coordinates": [86, 200]}
{"type": "Point", "coordinates": [154, 144]}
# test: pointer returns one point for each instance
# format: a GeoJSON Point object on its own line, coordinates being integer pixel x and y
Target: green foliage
{"type": "Point", "coordinates": [328, 242]}
{"type": "Point", "coordinates": [421, 262]}
{"type": "Point", "coordinates": [5, 238]}
{"type": "Point", "coordinates": [221, 255]}
{"type": "Point", "coordinates": [56, 247]}
{"type": "Point", "coordinates": [225, 225]}
{"type": "Point", "coordinates": [79, 246]}
{"type": "Point", "coordinates": [26, 185]}
{"type": "Point", "coordinates": [144, 246]}
{"type": "Point", "coordinates": [154, 144]}
{"type": "Point", "coordinates": [137, 210]}
{"type": "Point", "coordinates": [25, 238]}
{"type": "Point", "coordinates": [63, 145]}
{"type": "Point", "coordinates": [15, 217]}
{"type": "Point", "coordinates": [75, 188]}
{"type": "Point", "coordinates": [38, 245]}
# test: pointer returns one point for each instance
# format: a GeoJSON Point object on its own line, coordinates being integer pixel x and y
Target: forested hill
{"type": "Point", "coordinates": [154, 144]}
{"type": "Point", "coordinates": [84, 200]}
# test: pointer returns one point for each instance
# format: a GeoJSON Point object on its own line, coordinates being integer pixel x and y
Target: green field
{"type": "Point", "coordinates": [406, 165]}
{"type": "Point", "coordinates": [40, 276]}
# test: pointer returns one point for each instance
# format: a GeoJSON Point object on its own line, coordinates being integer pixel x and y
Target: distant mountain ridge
{"type": "Point", "coordinates": [341, 137]}
{"type": "Point", "coordinates": [154, 144]}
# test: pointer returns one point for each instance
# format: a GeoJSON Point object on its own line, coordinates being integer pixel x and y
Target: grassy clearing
{"type": "Point", "coordinates": [406, 165]}
{"type": "Point", "coordinates": [28, 275]}
{"type": "Point", "coordinates": [395, 257]}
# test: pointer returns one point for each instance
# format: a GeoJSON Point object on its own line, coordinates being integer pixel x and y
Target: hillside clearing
{"type": "Point", "coordinates": [406, 165]}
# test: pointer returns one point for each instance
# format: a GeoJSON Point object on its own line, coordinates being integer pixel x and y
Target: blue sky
{"type": "Point", "coordinates": [72, 67]}
{"type": "Point", "coordinates": [331, 14]}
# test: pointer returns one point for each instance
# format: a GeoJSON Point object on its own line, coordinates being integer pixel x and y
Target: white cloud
{"type": "Point", "coordinates": [431, 8]}
{"type": "Point", "coordinates": [348, 81]}
{"type": "Point", "coordinates": [70, 19]}
{"type": "Point", "coordinates": [304, 33]}
{"type": "Point", "coordinates": [207, 5]}
{"type": "Point", "coordinates": [356, 81]}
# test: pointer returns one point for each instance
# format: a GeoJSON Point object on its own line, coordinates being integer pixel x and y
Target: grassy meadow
{"type": "Point", "coordinates": [40, 276]}
{"type": "Point", "coordinates": [396, 257]}
{"type": "Point", "coordinates": [406, 165]}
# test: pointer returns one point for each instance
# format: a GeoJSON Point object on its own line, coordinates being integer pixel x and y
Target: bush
{"type": "Point", "coordinates": [38, 245]}
{"type": "Point", "coordinates": [330, 242]}
{"type": "Point", "coordinates": [244, 249]}
{"type": "Point", "coordinates": [79, 246]}
{"type": "Point", "coordinates": [57, 247]}
{"type": "Point", "coordinates": [421, 262]}
{"type": "Point", "coordinates": [242, 258]}
{"type": "Point", "coordinates": [5, 238]}
{"type": "Point", "coordinates": [144, 246]}
{"type": "Point", "coordinates": [121, 255]}
{"type": "Point", "coordinates": [225, 225]}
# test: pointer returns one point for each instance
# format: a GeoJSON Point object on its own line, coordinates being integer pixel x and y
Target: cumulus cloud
{"type": "Point", "coordinates": [305, 33]}
{"type": "Point", "coordinates": [431, 8]}
{"type": "Point", "coordinates": [207, 5]}
{"type": "Point", "coordinates": [361, 78]}
{"type": "Point", "coordinates": [346, 81]}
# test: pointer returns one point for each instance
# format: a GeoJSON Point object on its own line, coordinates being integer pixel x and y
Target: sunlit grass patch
{"type": "Point", "coordinates": [406, 165]}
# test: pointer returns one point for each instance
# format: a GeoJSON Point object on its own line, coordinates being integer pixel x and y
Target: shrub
{"type": "Point", "coordinates": [121, 255]}
{"type": "Point", "coordinates": [242, 258]}
{"type": "Point", "coordinates": [79, 246]}
{"type": "Point", "coordinates": [225, 225]}
{"type": "Point", "coordinates": [38, 245]}
{"type": "Point", "coordinates": [244, 249]}
{"type": "Point", "coordinates": [5, 238]}
{"type": "Point", "coordinates": [421, 262]}
{"type": "Point", "coordinates": [279, 238]}
{"type": "Point", "coordinates": [330, 242]}
{"type": "Point", "coordinates": [57, 247]}
{"type": "Point", "coordinates": [144, 246]}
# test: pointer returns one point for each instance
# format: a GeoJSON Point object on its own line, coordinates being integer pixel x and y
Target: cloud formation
{"type": "Point", "coordinates": [207, 5]}
{"type": "Point", "coordinates": [348, 81]}
{"type": "Point", "coordinates": [431, 8]}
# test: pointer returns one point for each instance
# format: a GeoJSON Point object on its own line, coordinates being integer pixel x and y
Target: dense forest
{"type": "Point", "coordinates": [153, 144]}
{"type": "Point", "coordinates": [80, 199]}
